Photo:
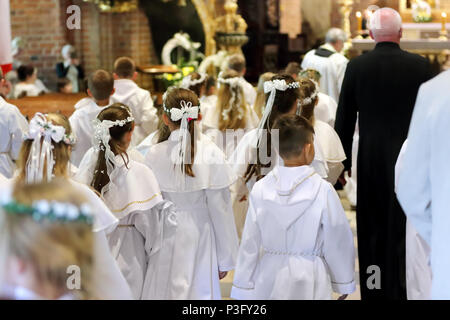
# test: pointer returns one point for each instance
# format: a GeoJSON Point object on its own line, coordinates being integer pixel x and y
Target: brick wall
{"type": "Point", "coordinates": [103, 36]}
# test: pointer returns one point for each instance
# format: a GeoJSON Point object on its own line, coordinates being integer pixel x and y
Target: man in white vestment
{"type": "Point", "coordinates": [138, 99]}
{"type": "Point", "coordinates": [237, 63]}
{"type": "Point", "coordinates": [424, 180]}
{"type": "Point", "coordinates": [328, 60]}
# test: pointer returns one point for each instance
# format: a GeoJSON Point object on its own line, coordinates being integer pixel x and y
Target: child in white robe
{"type": "Point", "coordinates": [326, 137]}
{"type": "Point", "coordinates": [46, 236]}
{"type": "Point", "coordinates": [29, 85]}
{"type": "Point", "coordinates": [193, 173]}
{"type": "Point", "coordinates": [326, 106]}
{"type": "Point", "coordinates": [139, 100]}
{"type": "Point", "coordinates": [253, 159]}
{"type": "Point", "coordinates": [208, 101]}
{"type": "Point", "coordinates": [100, 89]}
{"type": "Point", "coordinates": [418, 268]}
{"type": "Point", "coordinates": [237, 63]}
{"type": "Point", "coordinates": [297, 243]}
{"type": "Point", "coordinates": [12, 127]}
{"type": "Point", "coordinates": [50, 136]}
{"type": "Point", "coordinates": [141, 243]}
{"type": "Point", "coordinates": [233, 117]}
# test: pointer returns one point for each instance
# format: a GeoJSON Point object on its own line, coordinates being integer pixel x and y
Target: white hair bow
{"type": "Point", "coordinates": [41, 154]}
{"type": "Point", "coordinates": [185, 114]}
{"type": "Point", "coordinates": [272, 87]}
{"type": "Point", "coordinates": [186, 110]}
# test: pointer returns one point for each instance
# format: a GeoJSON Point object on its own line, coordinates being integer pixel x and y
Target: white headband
{"type": "Point", "coordinates": [185, 113]}
{"type": "Point", "coordinates": [40, 127]}
{"type": "Point", "coordinates": [187, 81]}
{"type": "Point", "coordinates": [102, 137]}
{"type": "Point", "coordinates": [233, 83]}
{"type": "Point", "coordinates": [309, 100]}
{"type": "Point", "coordinates": [272, 87]}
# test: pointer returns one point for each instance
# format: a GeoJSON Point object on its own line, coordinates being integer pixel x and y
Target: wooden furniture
{"type": "Point", "coordinates": [52, 102]}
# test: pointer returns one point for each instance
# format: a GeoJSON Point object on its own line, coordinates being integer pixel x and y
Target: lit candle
{"type": "Point", "coordinates": [360, 21]}
{"type": "Point", "coordinates": [444, 21]}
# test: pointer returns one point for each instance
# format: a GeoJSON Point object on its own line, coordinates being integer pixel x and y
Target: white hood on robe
{"type": "Point", "coordinates": [287, 182]}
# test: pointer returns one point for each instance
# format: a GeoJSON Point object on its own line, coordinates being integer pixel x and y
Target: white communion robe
{"type": "Point", "coordinates": [142, 243]}
{"type": "Point", "coordinates": [326, 109]}
{"type": "Point", "coordinates": [227, 141]}
{"type": "Point", "coordinates": [108, 281]}
{"type": "Point", "coordinates": [86, 110]}
{"type": "Point", "coordinates": [13, 125]}
{"type": "Point", "coordinates": [246, 154]}
{"type": "Point", "coordinates": [249, 92]}
{"type": "Point", "coordinates": [140, 102]}
{"type": "Point", "coordinates": [331, 148]}
{"type": "Point", "coordinates": [297, 243]}
{"type": "Point", "coordinates": [208, 106]}
{"type": "Point", "coordinates": [424, 180]}
{"type": "Point", "coordinates": [206, 241]}
{"type": "Point", "coordinates": [418, 269]}
{"type": "Point", "coordinates": [29, 89]}
{"type": "Point", "coordinates": [331, 68]}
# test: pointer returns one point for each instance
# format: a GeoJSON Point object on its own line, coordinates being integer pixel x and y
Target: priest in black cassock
{"type": "Point", "coordinates": [381, 86]}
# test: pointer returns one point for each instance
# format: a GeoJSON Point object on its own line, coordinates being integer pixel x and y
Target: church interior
{"type": "Point", "coordinates": [169, 39]}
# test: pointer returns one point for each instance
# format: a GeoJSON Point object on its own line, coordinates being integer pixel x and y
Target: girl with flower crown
{"type": "Point", "coordinates": [45, 155]}
{"type": "Point", "coordinates": [142, 242]}
{"type": "Point", "coordinates": [193, 173]}
{"type": "Point", "coordinates": [327, 138]}
{"type": "Point", "coordinates": [231, 114]}
{"type": "Point", "coordinates": [255, 156]}
{"type": "Point", "coordinates": [46, 243]}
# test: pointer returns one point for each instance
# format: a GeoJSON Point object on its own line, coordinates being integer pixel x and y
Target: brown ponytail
{"type": "Point", "coordinates": [173, 99]}
{"type": "Point", "coordinates": [284, 100]}
{"type": "Point", "coordinates": [114, 112]}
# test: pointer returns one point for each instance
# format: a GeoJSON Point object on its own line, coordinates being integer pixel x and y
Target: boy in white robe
{"type": "Point", "coordinates": [100, 89]}
{"type": "Point", "coordinates": [297, 243]}
{"type": "Point", "coordinates": [237, 63]}
{"type": "Point", "coordinates": [418, 269]}
{"type": "Point", "coordinates": [139, 100]}
{"type": "Point", "coordinates": [12, 127]}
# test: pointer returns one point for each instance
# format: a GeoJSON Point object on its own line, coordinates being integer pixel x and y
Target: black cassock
{"type": "Point", "coordinates": [381, 86]}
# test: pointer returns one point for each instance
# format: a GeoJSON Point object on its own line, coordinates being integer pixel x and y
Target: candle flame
{"type": "Point", "coordinates": [444, 15]}
{"type": "Point", "coordinates": [358, 14]}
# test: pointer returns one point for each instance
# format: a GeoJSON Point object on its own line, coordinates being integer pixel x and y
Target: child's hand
{"type": "Point", "coordinates": [343, 297]}
{"type": "Point", "coordinates": [222, 274]}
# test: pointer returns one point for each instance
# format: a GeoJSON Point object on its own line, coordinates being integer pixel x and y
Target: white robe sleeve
{"type": "Point", "coordinates": [221, 213]}
{"type": "Point", "coordinates": [109, 282]}
{"type": "Point", "coordinates": [149, 121]}
{"type": "Point", "coordinates": [338, 249]}
{"type": "Point", "coordinates": [18, 125]}
{"type": "Point", "coordinates": [243, 284]}
{"type": "Point", "coordinates": [158, 227]}
{"type": "Point", "coordinates": [414, 190]}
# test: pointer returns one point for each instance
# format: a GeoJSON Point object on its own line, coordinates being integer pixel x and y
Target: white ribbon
{"type": "Point", "coordinates": [272, 87]}
{"type": "Point", "coordinates": [185, 113]}
{"type": "Point", "coordinates": [101, 140]}
{"type": "Point", "coordinates": [40, 128]}
{"type": "Point", "coordinates": [187, 81]}
{"type": "Point", "coordinates": [233, 83]}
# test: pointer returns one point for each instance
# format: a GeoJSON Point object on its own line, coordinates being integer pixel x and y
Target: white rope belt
{"type": "Point", "coordinates": [293, 254]}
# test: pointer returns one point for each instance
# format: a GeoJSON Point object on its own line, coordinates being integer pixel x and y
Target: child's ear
{"type": "Point", "coordinates": [135, 75]}
{"type": "Point", "coordinates": [89, 93]}
{"type": "Point", "coordinates": [116, 77]}
{"type": "Point", "coordinates": [165, 119]}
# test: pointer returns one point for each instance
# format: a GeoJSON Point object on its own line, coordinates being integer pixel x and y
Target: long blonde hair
{"type": "Point", "coordinates": [235, 109]}
{"type": "Point", "coordinates": [49, 247]}
{"type": "Point", "coordinates": [61, 150]}
{"type": "Point", "coordinates": [260, 102]}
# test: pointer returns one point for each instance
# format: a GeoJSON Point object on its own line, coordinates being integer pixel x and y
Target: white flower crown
{"type": "Point", "coordinates": [187, 81]}
{"type": "Point", "coordinates": [40, 127]}
{"type": "Point", "coordinates": [233, 83]}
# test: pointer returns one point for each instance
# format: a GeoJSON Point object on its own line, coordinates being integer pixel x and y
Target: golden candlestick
{"type": "Point", "coordinates": [444, 27]}
{"type": "Point", "coordinates": [346, 10]}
